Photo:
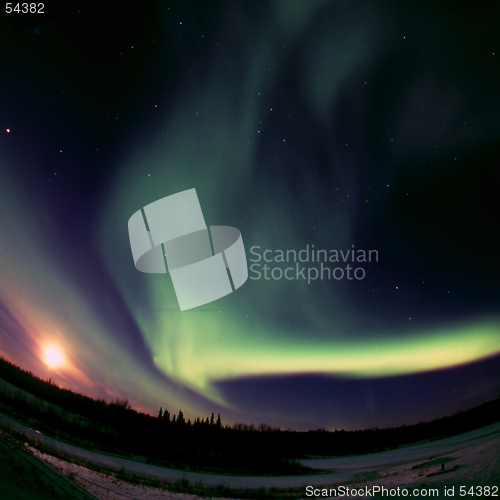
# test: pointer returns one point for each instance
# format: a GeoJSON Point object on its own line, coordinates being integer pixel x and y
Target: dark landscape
{"type": "Point", "coordinates": [205, 445]}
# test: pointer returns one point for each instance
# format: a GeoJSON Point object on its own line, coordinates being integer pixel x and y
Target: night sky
{"type": "Point", "coordinates": [347, 125]}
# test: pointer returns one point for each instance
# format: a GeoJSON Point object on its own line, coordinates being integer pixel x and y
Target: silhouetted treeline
{"type": "Point", "coordinates": [206, 443]}
{"type": "Point", "coordinates": [116, 428]}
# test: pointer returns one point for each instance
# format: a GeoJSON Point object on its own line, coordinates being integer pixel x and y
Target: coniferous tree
{"type": "Point", "coordinates": [180, 418]}
{"type": "Point", "coordinates": [160, 413]}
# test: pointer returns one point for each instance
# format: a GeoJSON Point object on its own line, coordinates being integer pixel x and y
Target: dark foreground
{"type": "Point", "coordinates": [468, 460]}
{"type": "Point", "coordinates": [23, 476]}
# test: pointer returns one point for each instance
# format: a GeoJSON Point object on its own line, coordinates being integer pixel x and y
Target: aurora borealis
{"type": "Point", "coordinates": [373, 124]}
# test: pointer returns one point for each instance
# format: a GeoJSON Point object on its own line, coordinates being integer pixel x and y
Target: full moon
{"type": "Point", "coordinates": [53, 357]}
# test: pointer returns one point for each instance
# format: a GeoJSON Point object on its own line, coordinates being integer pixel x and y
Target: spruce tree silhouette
{"type": "Point", "coordinates": [180, 418]}
{"type": "Point", "coordinates": [166, 416]}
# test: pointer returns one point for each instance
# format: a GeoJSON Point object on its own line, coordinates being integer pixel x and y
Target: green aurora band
{"type": "Point", "coordinates": [200, 348]}
{"type": "Point", "coordinates": [207, 144]}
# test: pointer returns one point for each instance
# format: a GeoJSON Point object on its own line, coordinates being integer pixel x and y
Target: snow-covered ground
{"type": "Point", "coordinates": [471, 458]}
